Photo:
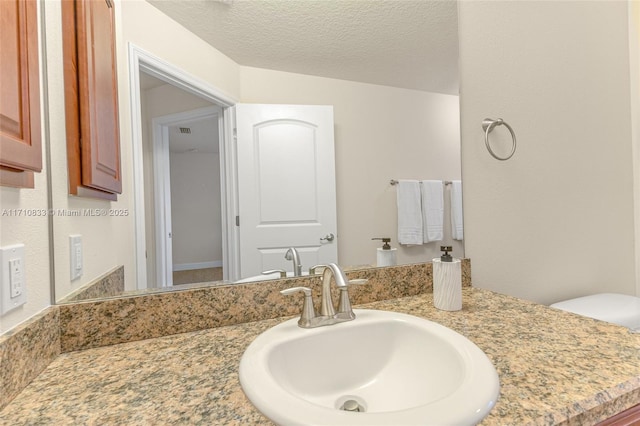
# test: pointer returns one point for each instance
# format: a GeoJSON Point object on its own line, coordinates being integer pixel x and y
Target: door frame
{"type": "Point", "coordinates": [162, 185]}
{"type": "Point", "coordinates": [141, 60]}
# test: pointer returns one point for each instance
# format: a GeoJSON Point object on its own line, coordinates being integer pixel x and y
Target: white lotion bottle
{"type": "Point", "coordinates": [447, 282]}
{"type": "Point", "coordinates": [386, 256]}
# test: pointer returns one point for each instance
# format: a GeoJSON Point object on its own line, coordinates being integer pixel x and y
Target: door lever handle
{"type": "Point", "coordinates": [329, 237]}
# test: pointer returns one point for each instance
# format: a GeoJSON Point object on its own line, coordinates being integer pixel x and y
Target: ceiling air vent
{"type": "Point", "coordinates": [185, 130]}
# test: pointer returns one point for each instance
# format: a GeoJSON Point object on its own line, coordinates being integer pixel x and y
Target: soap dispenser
{"type": "Point", "coordinates": [386, 256]}
{"type": "Point", "coordinates": [447, 281]}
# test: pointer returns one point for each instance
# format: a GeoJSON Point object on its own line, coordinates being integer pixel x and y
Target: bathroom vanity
{"type": "Point", "coordinates": [554, 368]}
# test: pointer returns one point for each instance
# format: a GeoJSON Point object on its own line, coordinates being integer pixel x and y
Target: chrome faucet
{"type": "Point", "coordinates": [328, 315]}
{"type": "Point", "coordinates": [292, 254]}
{"type": "Point", "coordinates": [341, 280]}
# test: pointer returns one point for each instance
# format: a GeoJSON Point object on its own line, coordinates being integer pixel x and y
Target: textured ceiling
{"type": "Point", "coordinates": [403, 43]}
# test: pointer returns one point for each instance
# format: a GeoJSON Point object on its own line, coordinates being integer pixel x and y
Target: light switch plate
{"type": "Point", "coordinates": [75, 246]}
{"type": "Point", "coordinates": [12, 274]}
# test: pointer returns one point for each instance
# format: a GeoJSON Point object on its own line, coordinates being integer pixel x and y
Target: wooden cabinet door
{"type": "Point", "coordinates": [629, 417]}
{"type": "Point", "coordinates": [98, 95]}
{"type": "Point", "coordinates": [91, 98]}
{"type": "Point", "coordinates": [20, 135]}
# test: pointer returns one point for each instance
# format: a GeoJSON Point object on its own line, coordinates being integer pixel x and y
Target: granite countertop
{"type": "Point", "coordinates": [554, 368]}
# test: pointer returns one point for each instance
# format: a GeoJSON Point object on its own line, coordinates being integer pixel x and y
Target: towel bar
{"type": "Point", "coordinates": [488, 125]}
{"type": "Point", "coordinates": [395, 182]}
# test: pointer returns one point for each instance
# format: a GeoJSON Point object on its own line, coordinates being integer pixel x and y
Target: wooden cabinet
{"type": "Point", "coordinates": [20, 132]}
{"type": "Point", "coordinates": [91, 98]}
{"type": "Point", "coordinates": [629, 417]}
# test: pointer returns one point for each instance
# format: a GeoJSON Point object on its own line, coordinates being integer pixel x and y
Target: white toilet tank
{"type": "Point", "coordinates": [615, 308]}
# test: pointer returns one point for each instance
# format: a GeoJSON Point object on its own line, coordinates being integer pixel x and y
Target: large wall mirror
{"type": "Point", "coordinates": [388, 69]}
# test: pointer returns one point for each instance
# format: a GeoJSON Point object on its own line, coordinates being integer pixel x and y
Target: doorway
{"type": "Point", "coordinates": [142, 65]}
{"type": "Point", "coordinates": [186, 201]}
{"type": "Point", "coordinates": [196, 230]}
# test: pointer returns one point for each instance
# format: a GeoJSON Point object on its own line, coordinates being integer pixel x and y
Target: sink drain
{"type": "Point", "coordinates": [351, 403]}
{"type": "Point", "coordinates": [352, 406]}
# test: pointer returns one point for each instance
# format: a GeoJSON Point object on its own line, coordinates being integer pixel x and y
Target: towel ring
{"type": "Point", "coordinates": [488, 125]}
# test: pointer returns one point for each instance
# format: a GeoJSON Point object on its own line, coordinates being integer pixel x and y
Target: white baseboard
{"type": "Point", "coordinates": [199, 265]}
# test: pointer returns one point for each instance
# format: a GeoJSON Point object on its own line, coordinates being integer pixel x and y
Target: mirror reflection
{"type": "Point", "coordinates": [395, 116]}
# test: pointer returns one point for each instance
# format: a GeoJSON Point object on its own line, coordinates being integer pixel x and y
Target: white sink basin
{"type": "Point", "coordinates": [400, 369]}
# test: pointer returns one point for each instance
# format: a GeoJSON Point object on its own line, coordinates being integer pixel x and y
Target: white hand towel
{"type": "Point", "coordinates": [432, 210]}
{"type": "Point", "coordinates": [456, 210]}
{"type": "Point", "coordinates": [409, 212]}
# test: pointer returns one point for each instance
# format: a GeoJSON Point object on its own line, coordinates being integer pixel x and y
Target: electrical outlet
{"type": "Point", "coordinates": [15, 277]}
{"type": "Point", "coordinates": [75, 247]}
{"type": "Point", "coordinates": [12, 274]}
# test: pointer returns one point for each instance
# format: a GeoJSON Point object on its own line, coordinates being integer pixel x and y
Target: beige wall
{"type": "Point", "coordinates": [148, 28]}
{"type": "Point", "coordinates": [195, 208]}
{"type": "Point", "coordinates": [556, 221]}
{"type": "Point", "coordinates": [634, 65]}
{"type": "Point", "coordinates": [33, 232]}
{"type": "Point", "coordinates": [381, 133]}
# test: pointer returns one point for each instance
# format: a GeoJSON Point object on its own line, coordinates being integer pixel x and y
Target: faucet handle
{"type": "Point", "coordinates": [313, 269]}
{"type": "Point", "coordinates": [293, 290]}
{"type": "Point", "coordinates": [308, 312]}
{"type": "Point", "coordinates": [283, 273]}
{"type": "Point", "coordinates": [344, 304]}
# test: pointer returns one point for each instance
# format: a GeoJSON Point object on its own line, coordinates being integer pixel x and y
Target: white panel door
{"type": "Point", "coordinates": [286, 186]}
